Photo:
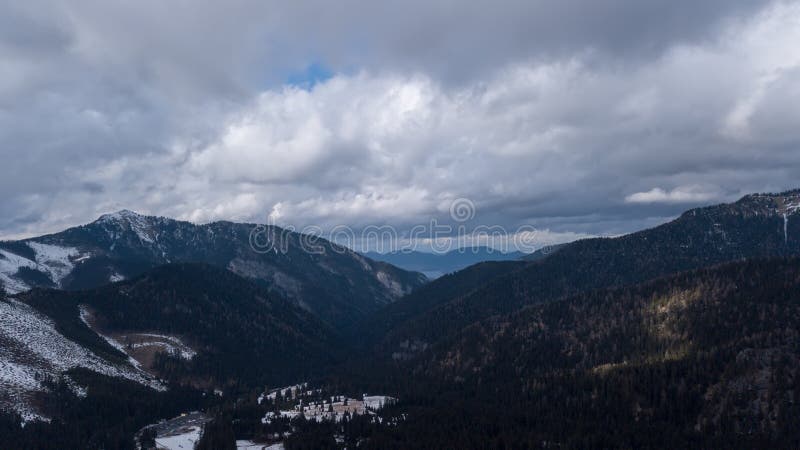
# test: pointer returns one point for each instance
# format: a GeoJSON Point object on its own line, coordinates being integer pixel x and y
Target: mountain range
{"type": "Point", "coordinates": [435, 265]}
{"type": "Point", "coordinates": [683, 335]}
{"type": "Point", "coordinates": [336, 284]}
{"type": "Point", "coordinates": [761, 225]}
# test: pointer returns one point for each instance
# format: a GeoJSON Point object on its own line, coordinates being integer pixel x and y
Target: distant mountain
{"type": "Point", "coordinates": [435, 265]}
{"type": "Point", "coordinates": [758, 225]}
{"type": "Point", "coordinates": [338, 285]}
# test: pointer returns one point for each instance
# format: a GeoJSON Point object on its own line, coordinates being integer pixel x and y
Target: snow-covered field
{"type": "Point", "coordinates": [184, 441]}
{"type": "Point", "coordinates": [54, 260]}
{"type": "Point", "coordinates": [250, 445]}
{"type": "Point", "coordinates": [32, 347]}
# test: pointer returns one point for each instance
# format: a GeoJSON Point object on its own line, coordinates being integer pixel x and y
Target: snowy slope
{"type": "Point", "coordinates": [53, 261]}
{"type": "Point", "coordinates": [10, 264]}
{"type": "Point", "coordinates": [32, 347]}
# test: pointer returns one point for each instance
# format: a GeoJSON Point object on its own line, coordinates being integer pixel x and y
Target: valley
{"type": "Point", "coordinates": [141, 348]}
{"type": "Point", "coordinates": [687, 330]}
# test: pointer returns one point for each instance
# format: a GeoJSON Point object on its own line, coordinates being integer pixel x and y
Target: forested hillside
{"type": "Point", "coordinates": [707, 358]}
{"type": "Point", "coordinates": [427, 297]}
{"type": "Point", "coordinates": [240, 332]}
{"type": "Point", "coordinates": [756, 226]}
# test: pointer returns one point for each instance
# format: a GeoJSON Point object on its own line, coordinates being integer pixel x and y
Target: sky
{"type": "Point", "coordinates": [576, 118]}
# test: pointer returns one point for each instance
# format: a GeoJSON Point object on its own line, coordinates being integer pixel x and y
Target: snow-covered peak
{"type": "Point", "coordinates": [124, 215]}
{"type": "Point", "coordinates": [125, 219]}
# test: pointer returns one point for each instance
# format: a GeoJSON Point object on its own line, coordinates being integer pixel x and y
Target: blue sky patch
{"type": "Point", "coordinates": [312, 75]}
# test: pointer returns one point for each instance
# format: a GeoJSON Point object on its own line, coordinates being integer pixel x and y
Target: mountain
{"type": "Point", "coordinates": [684, 335]}
{"type": "Point", "coordinates": [213, 324]}
{"type": "Point", "coordinates": [192, 324]}
{"type": "Point", "coordinates": [758, 225]}
{"type": "Point", "coordinates": [426, 298]}
{"type": "Point", "coordinates": [702, 359]}
{"type": "Point", "coordinates": [338, 285]}
{"type": "Point", "coordinates": [435, 265]}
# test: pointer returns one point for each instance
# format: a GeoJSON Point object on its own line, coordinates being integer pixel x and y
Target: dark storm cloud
{"type": "Point", "coordinates": [459, 39]}
{"type": "Point", "coordinates": [575, 116]}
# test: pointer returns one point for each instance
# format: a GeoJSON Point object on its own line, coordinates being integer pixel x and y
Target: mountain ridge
{"type": "Point", "coordinates": [758, 225]}
{"type": "Point", "coordinates": [193, 302]}
{"type": "Point", "coordinates": [435, 265]}
{"type": "Point", "coordinates": [335, 283]}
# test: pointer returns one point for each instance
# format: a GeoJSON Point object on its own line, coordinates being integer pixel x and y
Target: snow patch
{"type": "Point", "coordinates": [366, 265]}
{"type": "Point", "coordinates": [82, 258]}
{"type": "Point", "coordinates": [390, 283]}
{"type": "Point", "coordinates": [250, 445]}
{"type": "Point", "coordinates": [115, 277]}
{"type": "Point", "coordinates": [55, 260]}
{"type": "Point", "coordinates": [788, 206]}
{"type": "Point", "coordinates": [785, 228]}
{"type": "Point", "coordinates": [184, 441]}
{"type": "Point", "coordinates": [171, 344]}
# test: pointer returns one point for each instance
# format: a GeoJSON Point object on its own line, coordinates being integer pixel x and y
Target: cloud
{"type": "Point", "coordinates": [688, 194]}
{"type": "Point", "coordinates": [564, 117]}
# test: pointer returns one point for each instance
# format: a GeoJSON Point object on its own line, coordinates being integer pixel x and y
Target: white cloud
{"type": "Point", "coordinates": [559, 132]}
{"type": "Point", "coordinates": [688, 194]}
